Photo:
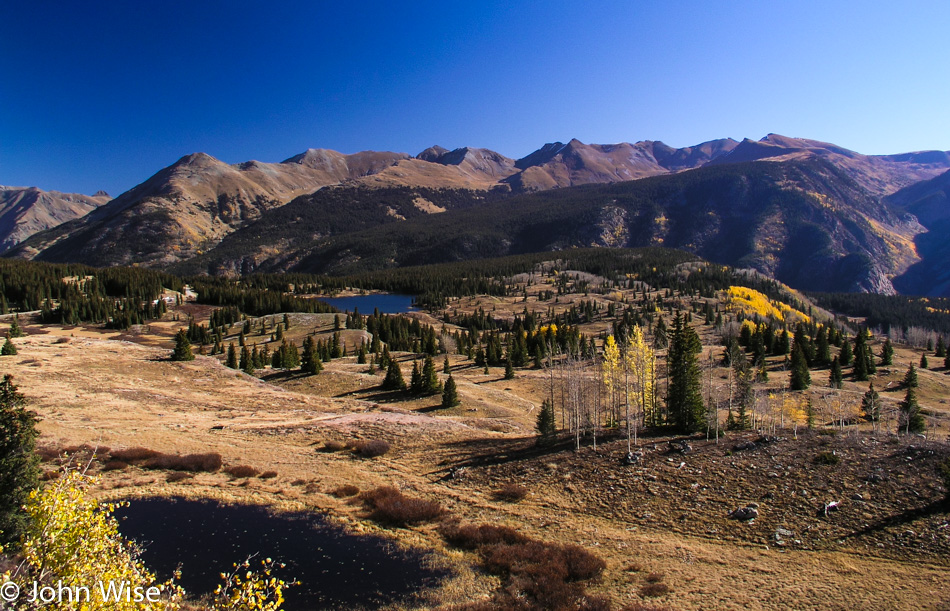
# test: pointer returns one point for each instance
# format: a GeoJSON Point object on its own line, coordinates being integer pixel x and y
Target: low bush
{"type": "Point", "coordinates": [267, 475]}
{"type": "Point", "coordinates": [511, 493]}
{"type": "Point", "coordinates": [654, 589]}
{"type": "Point", "coordinates": [239, 471]}
{"type": "Point", "coordinates": [370, 448]}
{"type": "Point", "coordinates": [177, 476]}
{"type": "Point", "coordinates": [333, 446]}
{"type": "Point", "coordinates": [469, 536]}
{"type": "Point", "coordinates": [115, 465]}
{"type": "Point", "coordinates": [132, 455]}
{"type": "Point", "coordinates": [654, 578]}
{"type": "Point", "coordinates": [387, 505]}
{"type": "Point", "coordinates": [209, 462]}
{"type": "Point", "coordinates": [826, 458]}
{"type": "Point", "coordinates": [348, 490]}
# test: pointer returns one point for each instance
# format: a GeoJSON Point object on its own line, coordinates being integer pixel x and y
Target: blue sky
{"type": "Point", "coordinates": [100, 95]}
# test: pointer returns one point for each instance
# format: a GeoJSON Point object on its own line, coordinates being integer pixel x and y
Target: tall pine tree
{"type": "Point", "coordinates": [685, 406]}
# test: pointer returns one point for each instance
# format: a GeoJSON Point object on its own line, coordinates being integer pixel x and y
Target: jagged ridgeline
{"type": "Point", "coordinates": [805, 223]}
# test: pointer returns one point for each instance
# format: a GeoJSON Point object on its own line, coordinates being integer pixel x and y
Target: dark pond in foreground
{"type": "Point", "coordinates": [336, 570]}
{"type": "Point", "coordinates": [385, 303]}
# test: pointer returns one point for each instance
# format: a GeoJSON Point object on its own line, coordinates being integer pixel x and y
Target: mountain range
{"type": "Point", "coordinates": [864, 217]}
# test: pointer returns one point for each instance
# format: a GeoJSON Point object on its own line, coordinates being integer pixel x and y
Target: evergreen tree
{"type": "Point", "coordinates": [361, 355]}
{"type": "Point", "coordinates": [19, 469]}
{"type": "Point", "coordinates": [835, 378]}
{"type": "Point", "coordinates": [660, 338]}
{"type": "Point", "coordinates": [509, 370]}
{"type": "Point", "coordinates": [871, 404]}
{"type": "Point", "coordinates": [946, 361]}
{"type": "Point", "coordinates": [800, 379]}
{"type": "Point", "coordinates": [923, 361]}
{"type": "Point", "coordinates": [15, 330]}
{"type": "Point", "coordinates": [910, 378]}
{"type": "Point", "coordinates": [247, 362]}
{"type": "Point", "coordinates": [809, 413]}
{"type": "Point", "coordinates": [393, 380]}
{"type": "Point", "coordinates": [310, 361]}
{"type": "Point", "coordinates": [430, 380]}
{"type": "Point", "coordinates": [546, 426]}
{"type": "Point", "coordinates": [415, 379]}
{"type": "Point", "coordinates": [450, 395]}
{"type": "Point", "coordinates": [823, 350]}
{"type": "Point", "coordinates": [941, 350]}
{"type": "Point", "coordinates": [446, 367]}
{"type": "Point", "coordinates": [911, 420]}
{"type": "Point", "coordinates": [182, 351]}
{"type": "Point", "coordinates": [685, 402]}
{"type": "Point", "coordinates": [845, 356]}
{"type": "Point", "coordinates": [8, 348]}
{"type": "Point", "coordinates": [887, 352]}
{"type": "Point", "coordinates": [232, 357]}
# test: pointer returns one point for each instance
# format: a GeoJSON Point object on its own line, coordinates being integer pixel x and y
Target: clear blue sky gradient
{"type": "Point", "coordinates": [100, 95]}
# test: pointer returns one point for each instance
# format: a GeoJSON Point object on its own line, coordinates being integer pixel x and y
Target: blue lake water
{"type": "Point", "coordinates": [385, 303]}
{"type": "Point", "coordinates": [336, 570]}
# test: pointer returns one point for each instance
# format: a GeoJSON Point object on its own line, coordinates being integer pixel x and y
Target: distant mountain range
{"type": "Point", "coordinates": [28, 210]}
{"type": "Point", "coordinates": [202, 214]}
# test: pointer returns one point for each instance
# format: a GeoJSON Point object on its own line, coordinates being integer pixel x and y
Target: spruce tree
{"type": "Point", "coordinates": [923, 361]}
{"type": "Point", "coordinates": [232, 357]}
{"type": "Point", "coordinates": [887, 352]}
{"type": "Point", "coordinates": [182, 351]}
{"type": "Point", "coordinates": [247, 362]}
{"type": "Point", "coordinates": [871, 404]}
{"type": "Point", "coordinates": [361, 355]}
{"type": "Point", "coordinates": [446, 367]}
{"type": "Point", "coordinates": [430, 380]}
{"type": "Point", "coordinates": [310, 362]}
{"type": "Point", "coordinates": [546, 426]}
{"type": "Point", "coordinates": [946, 361]}
{"type": "Point", "coordinates": [415, 379]}
{"type": "Point", "coordinates": [941, 350]}
{"type": "Point", "coordinates": [8, 348]}
{"type": "Point", "coordinates": [846, 356]}
{"type": "Point", "coordinates": [835, 378]}
{"type": "Point", "coordinates": [911, 420]}
{"type": "Point", "coordinates": [509, 370]}
{"type": "Point", "coordinates": [687, 412]}
{"type": "Point", "coordinates": [15, 330]}
{"type": "Point", "coordinates": [800, 379]}
{"type": "Point", "coordinates": [450, 395]}
{"type": "Point", "coordinates": [19, 464]}
{"type": "Point", "coordinates": [393, 380]}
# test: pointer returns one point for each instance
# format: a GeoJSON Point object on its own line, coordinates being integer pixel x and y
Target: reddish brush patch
{"type": "Point", "coordinates": [389, 506]}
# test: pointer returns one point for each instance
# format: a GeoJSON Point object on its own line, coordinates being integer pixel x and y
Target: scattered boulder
{"type": "Point", "coordinates": [742, 446]}
{"type": "Point", "coordinates": [744, 514]}
{"type": "Point", "coordinates": [631, 458]}
{"type": "Point", "coordinates": [828, 508]}
{"type": "Point", "coordinates": [679, 447]}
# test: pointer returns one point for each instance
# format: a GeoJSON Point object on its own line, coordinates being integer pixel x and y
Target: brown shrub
{"type": "Point", "coordinates": [239, 471]}
{"type": "Point", "coordinates": [267, 475]}
{"type": "Point", "coordinates": [210, 462]}
{"type": "Point", "coordinates": [62, 340]}
{"type": "Point", "coordinates": [333, 446]}
{"type": "Point", "coordinates": [644, 607]}
{"type": "Point", "coordinates": [299, 482]}
{"type": "Point", "coordinates": [177, 476]}
{"type": "Point", "coordinates": [511, 493]}
{"type": "Point", "coordinates": [389, 506]}
{"type": "Point", "coordinates": [370, 448]}
{"type": "Point", "coordinates": [654, 578]}
{"type": "Point", "coordinates": [115, 465]}
{"type": "Point", "coordinates": [654, 589]}
{"type": "Point", "coordinates": [48, 453]}
{"type": "Point", "coordinates": [469, 536]}
{"type": "Point", "coordinates": [345, 491]}
{"type": "Point", "coordinates": [132, 455]}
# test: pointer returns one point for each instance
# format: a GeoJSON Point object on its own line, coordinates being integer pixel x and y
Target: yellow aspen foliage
{"type": "Point", "coordinates": [73, 548]}
{"type": "Point", "coordinates": [72, 541]}
{"type": "Point", "coordinates": [641, 362]}
{"type": "Point", "coordinates": [749, 301]}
